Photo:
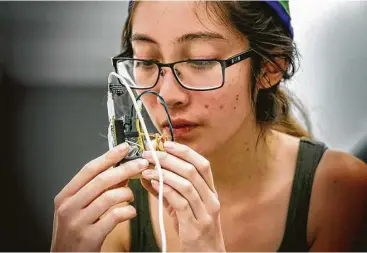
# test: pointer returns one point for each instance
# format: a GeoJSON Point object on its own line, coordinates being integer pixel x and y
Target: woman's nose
{"type": "Point", "coordinates": [172, 92]}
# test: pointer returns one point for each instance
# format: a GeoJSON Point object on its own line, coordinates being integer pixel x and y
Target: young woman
{"type": "Point", "coordinates": [241, 176]}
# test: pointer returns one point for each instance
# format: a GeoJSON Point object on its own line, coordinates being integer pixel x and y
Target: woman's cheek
{"type": "Point", "coordinates": [222, 105]}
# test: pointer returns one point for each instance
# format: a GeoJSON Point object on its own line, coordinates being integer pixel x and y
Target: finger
{"type": "Point", "coordinates": [117, 215]}
{"type": "Point", "coordinates": [189, 155]}
{"type": "Point", "coordinates": [119, 185]}
{"type": "Point", "coordinates": [148, 186]}
{"type": "Point", "coordinates": [92, 169]}
{"type": "Point", "coordinates": [180, 205]}
{"type": "Point", "coordinates": [185, 170]}
{"type": "Point", "coordinates": [182, 186]}
{"type": "Point", "coordinates": [103, 203]}
{"type": "Point", "coordinates": [104, 181]}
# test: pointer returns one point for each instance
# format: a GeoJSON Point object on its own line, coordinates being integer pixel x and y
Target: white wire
{"type": "Point", "coordinates": [155, 158]}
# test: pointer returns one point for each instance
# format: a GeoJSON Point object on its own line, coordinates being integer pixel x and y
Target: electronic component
{"type": "Point", "coordinates": [142, 133]}
{"type": "Point", "coordinates": [121, 129]}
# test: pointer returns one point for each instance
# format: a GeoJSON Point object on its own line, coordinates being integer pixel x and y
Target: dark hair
{"type": "Point", "coordinates": [271, 41]}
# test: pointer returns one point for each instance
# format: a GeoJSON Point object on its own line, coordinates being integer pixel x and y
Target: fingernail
{"type": "Point", "coordinates": [154, 183]}
{"type": "Point", "coordinates": [147, 173]}
{"type": "Point", "coordinates": [122, 147]}
{"type": "Point", "coordinates": [169, 145]}
{"type": "Point", "coordinates": [143, 163]}
{"type": "Point", "coordinates": [147, 154]}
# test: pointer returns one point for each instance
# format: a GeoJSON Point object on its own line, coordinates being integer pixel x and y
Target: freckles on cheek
{"type": "Point", "coordinates": [235, 107]}
{"type": "Point", "coordinates": [222, 106]}
{"type": "Point", "coordinates": [227, 103]}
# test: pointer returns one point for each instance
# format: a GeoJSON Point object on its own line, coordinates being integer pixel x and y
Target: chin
{"type": "Point", "coordinates": [200, 146]}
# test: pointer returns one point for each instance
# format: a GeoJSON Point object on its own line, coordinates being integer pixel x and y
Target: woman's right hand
{"type": "Point", "coordinates": [86, 209]}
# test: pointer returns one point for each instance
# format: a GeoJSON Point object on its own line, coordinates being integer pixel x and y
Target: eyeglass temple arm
{"type": "Point", "coordinates": [237, 58]}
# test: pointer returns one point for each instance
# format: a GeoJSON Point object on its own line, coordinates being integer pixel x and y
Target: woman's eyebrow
{"type": "Point", "coordinates": [142, 37]}
{"type": "Point", "coordinates": [199, 36]}
{"type": "Point", "coordinates": [181, 39]}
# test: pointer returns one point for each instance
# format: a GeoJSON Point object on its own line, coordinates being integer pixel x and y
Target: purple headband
{"type": "Point", "coordinates": [283, 14]}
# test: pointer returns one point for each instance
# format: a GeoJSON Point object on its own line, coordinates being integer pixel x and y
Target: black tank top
{"type": "Point", "coordinates": [295, 234]}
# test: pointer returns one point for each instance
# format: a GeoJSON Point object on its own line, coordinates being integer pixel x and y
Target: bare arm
{"type": "Point", "coordinates": [339, 203]}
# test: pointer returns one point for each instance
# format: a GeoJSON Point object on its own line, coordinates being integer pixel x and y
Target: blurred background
{"type": "Point", "coordinates": [54, 62]}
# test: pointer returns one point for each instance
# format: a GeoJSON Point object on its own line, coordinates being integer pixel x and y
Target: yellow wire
{"type": "Point", "coordinates": [158, 139]}
{"type": "Point", "coordinates": [140, 136]}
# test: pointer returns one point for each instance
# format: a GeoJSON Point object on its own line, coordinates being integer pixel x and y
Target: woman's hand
{"type": "Point", "coordinates": [86, 211]}
{"type": "Point", "coordinates": [189, 196]}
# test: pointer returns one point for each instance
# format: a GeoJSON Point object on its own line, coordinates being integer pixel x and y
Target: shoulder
{"type": "Point", "coordinates": [344, 168]}
{"type": "Point", "coordinates": [342, 172]}
{"type": "Point", "coordinates": [338, 201]}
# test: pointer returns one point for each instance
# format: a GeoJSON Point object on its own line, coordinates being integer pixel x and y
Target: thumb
{"type": "Point", "coordinates": [148, 186]}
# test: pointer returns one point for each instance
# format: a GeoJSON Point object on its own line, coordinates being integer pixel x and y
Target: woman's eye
{"type": "Point", "coordinates": [203, 64]}
{"type": "Point", "coordinates": [143, 64]}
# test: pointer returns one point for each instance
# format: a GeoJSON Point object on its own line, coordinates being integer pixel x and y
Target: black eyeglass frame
{"type": "Point", "coordinates": [224, 64]}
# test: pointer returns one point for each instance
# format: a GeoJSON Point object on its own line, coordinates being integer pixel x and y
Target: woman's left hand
{"type": "Point", "coordinates": [189, 196]}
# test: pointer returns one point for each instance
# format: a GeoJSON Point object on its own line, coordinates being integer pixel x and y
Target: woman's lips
{"type": "Point", "coordinates": [179, 132]}
{"type": "Point", "coordinates": [181, 128]}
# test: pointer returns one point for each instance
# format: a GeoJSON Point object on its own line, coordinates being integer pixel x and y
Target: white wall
{"type": "Point", "coordinates": [332, 38]}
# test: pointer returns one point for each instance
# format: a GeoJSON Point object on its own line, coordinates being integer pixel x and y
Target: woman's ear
{"type": "Point", "coordinates": [272, 73]}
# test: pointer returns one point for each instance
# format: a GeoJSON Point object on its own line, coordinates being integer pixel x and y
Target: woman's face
{"type": "Point", "coordinates": [174, 31]}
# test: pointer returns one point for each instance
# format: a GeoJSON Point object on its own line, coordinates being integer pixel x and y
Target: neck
{"type": "Point", "coordinates": [242, 161]}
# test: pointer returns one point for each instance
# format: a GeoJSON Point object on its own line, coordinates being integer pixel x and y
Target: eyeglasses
{"type": "Point", "coordinates": [198, 74]}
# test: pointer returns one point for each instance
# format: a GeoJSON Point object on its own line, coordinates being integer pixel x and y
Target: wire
{"type": "Point", "coordinates": [164, 105]}
{"type": "Point", "coordinates": [133, 143]}
{"type": "Point", "coordinates": [165, 108]}
{"type": "Point", "coordinates": [154, 155]}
